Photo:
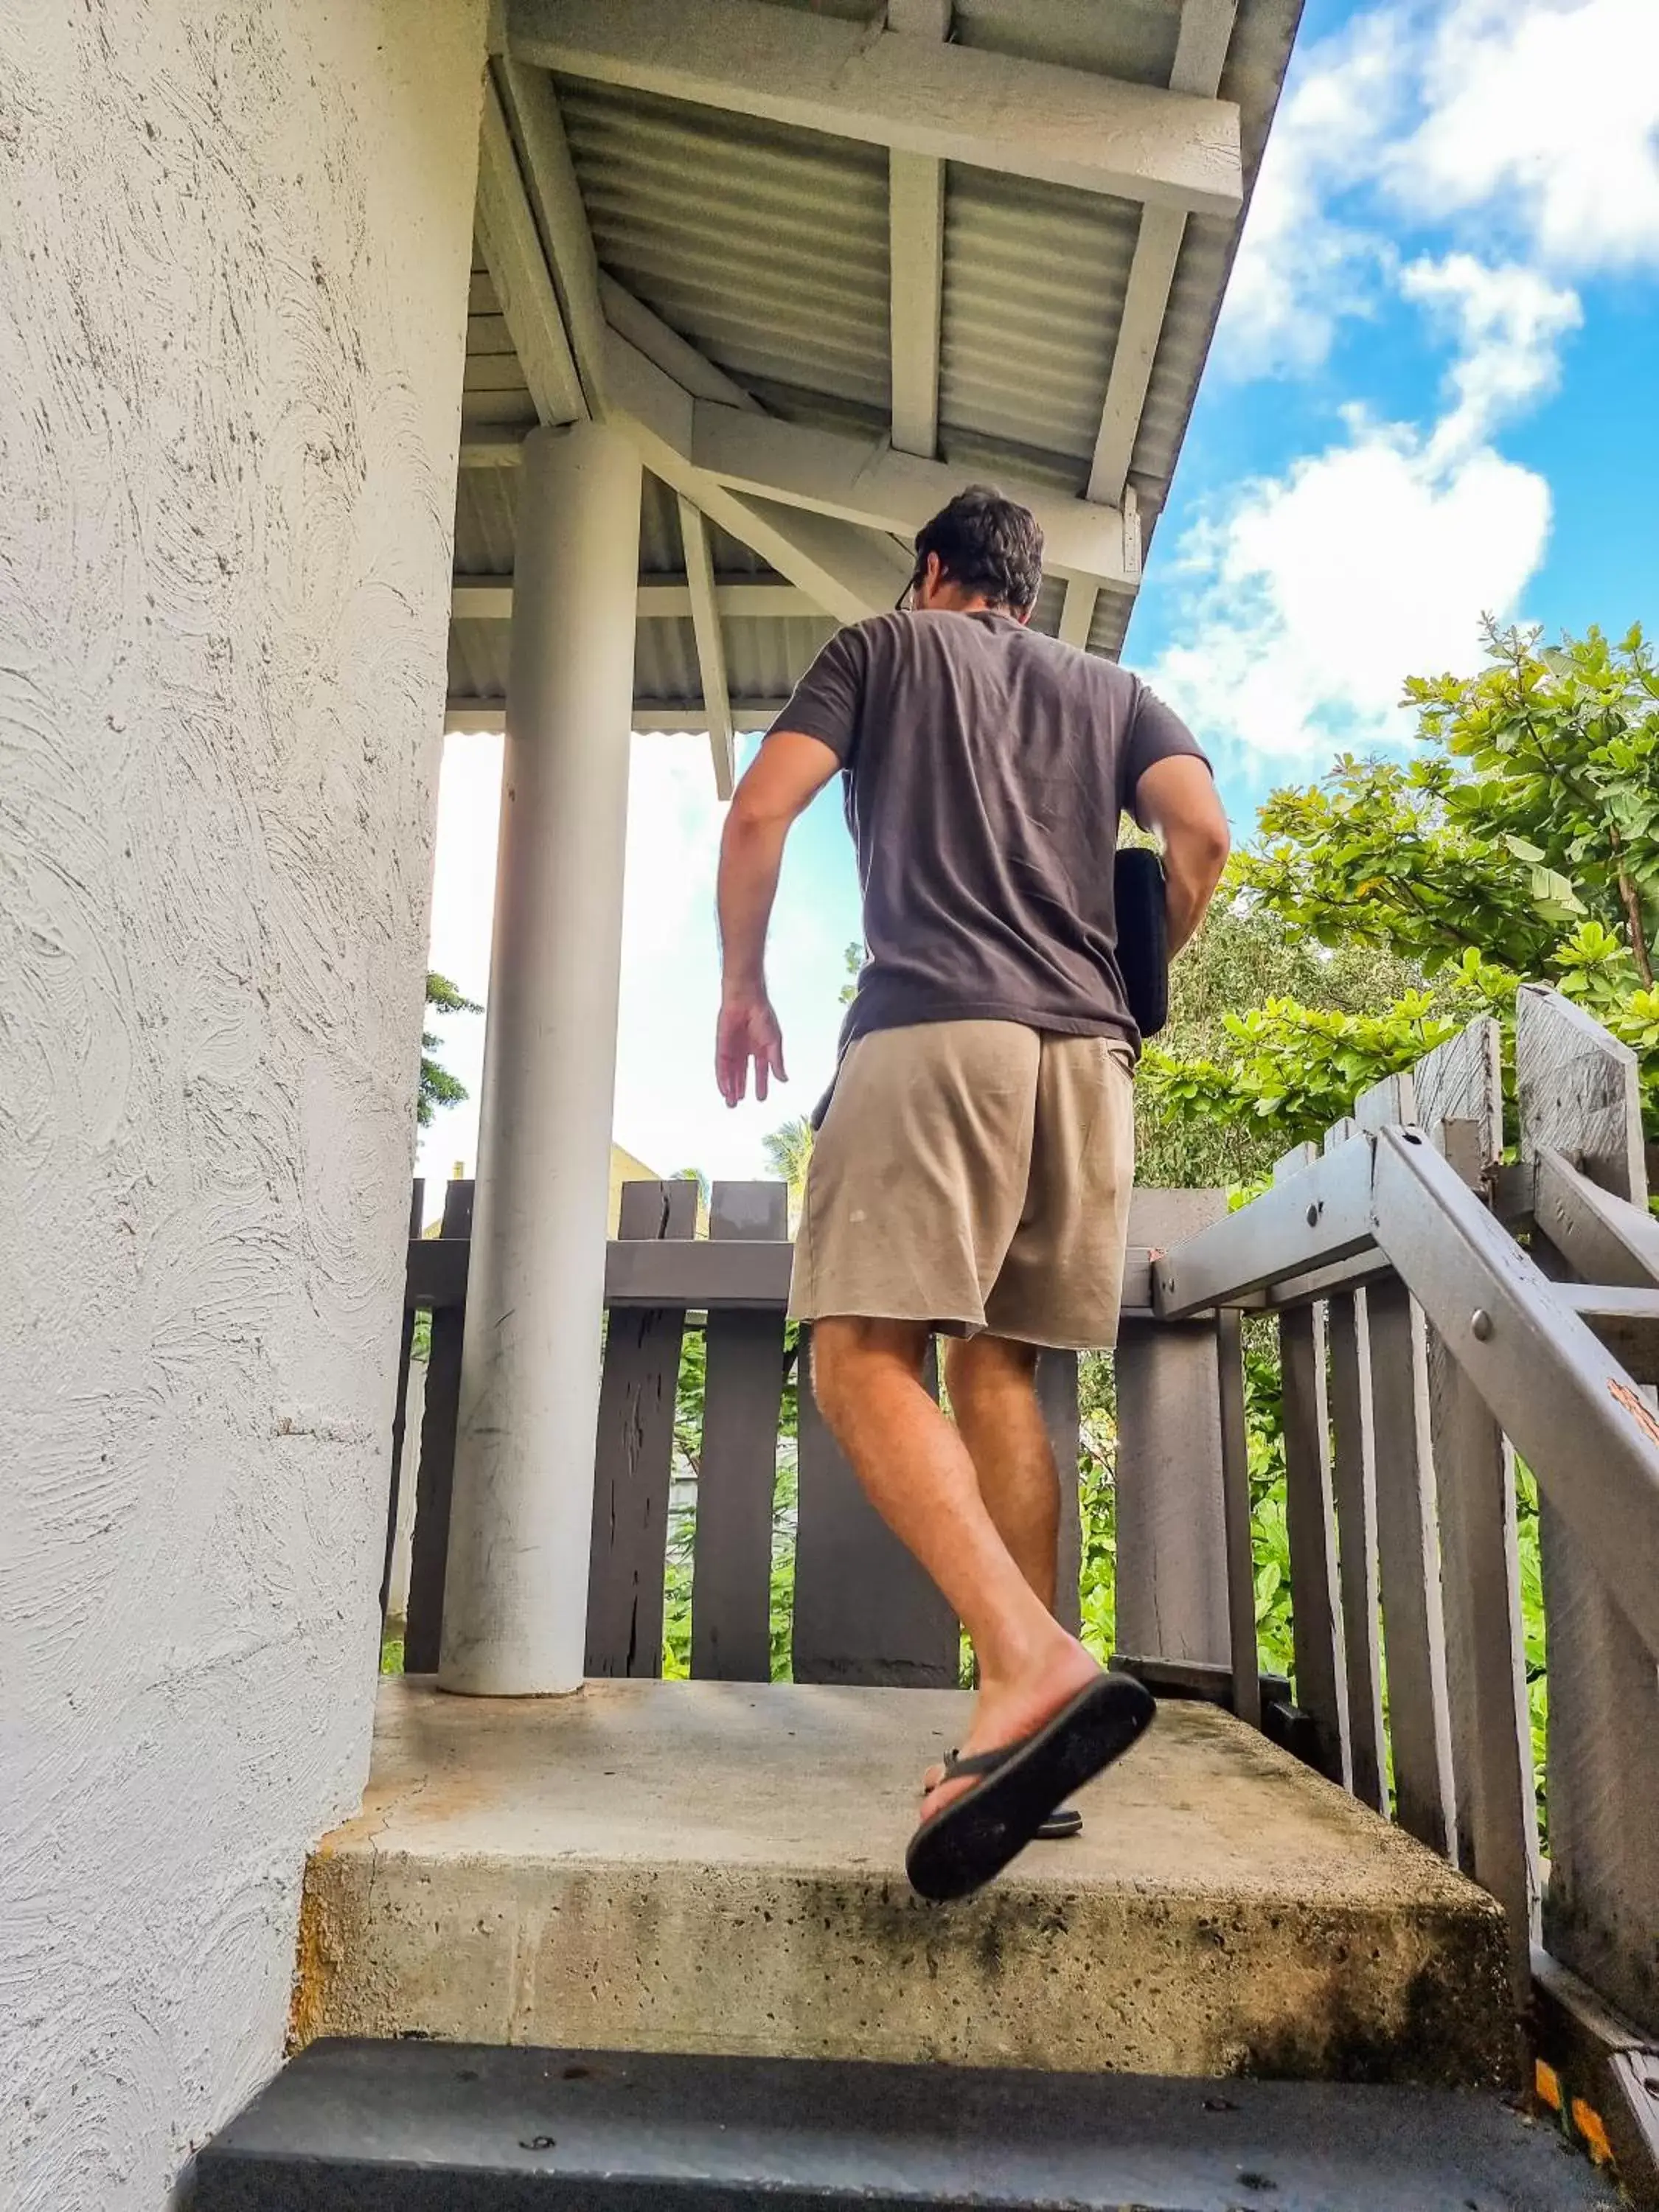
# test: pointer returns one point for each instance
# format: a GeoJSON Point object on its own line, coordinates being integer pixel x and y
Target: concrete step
{"type": "Point", "coordinates": [368, 2127]}
{"type": "Point", "coordinates": [717, 1868]}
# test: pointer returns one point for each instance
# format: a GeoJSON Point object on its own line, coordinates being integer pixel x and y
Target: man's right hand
{"type": "Point", "coordinates": [748, 1031]}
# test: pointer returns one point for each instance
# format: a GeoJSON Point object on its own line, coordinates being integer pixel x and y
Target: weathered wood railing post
{"type": "Point", "coordinates": [634, 1454]}
{"type": "Point", "coordinates": [1172, 1578]}
{"type": "Point", "coordinates": [1460, 1101]}
{"type": "Point", "coordinates": [1310, 1519]}
{"type": "Point", "coordinates": [1353, 1475]}
{"type": "Point", "coordinates": [1405, 1535]}
{"type": "Point", "coordinates": [1578, 1095]}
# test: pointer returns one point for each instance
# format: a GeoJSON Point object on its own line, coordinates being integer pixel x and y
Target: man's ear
{"type": "Point", "coordinates": [1023, 619]}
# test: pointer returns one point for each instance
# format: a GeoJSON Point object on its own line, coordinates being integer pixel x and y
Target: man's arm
{"type": "Point", "coordinates": [782, 782]}
{"type": "Point", "coordinates": [1177, 797]}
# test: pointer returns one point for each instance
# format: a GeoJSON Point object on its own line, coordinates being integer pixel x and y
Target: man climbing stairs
{"type": "Point", "coordinates": [650, 1947]}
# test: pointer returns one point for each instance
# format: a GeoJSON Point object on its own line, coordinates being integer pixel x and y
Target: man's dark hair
{"type": "Point", "coordinates": [986, 543]}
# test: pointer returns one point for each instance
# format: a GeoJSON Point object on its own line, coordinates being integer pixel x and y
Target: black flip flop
{"type": "Point", "coordinates": [956, 1851]}
{"type": "Point", "coordinates": [1060, 1827]}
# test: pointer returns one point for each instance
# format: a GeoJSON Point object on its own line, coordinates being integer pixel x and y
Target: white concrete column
{"type": "Point", "coordinates": [516, 1596]}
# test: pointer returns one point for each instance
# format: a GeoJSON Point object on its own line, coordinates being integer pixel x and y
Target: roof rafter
{"type": "Point", "coordinates": [852, 479]}
{"type": "Point", "coordinates": [518, 269]}
{"type": "Point", "coordinates": [1200, 54]}
{"type": "Point", "coordinates": [951, 102]}
{"type": "Point", "coordinates": [531, 106]}
{"type": "Point", "coordinates": [846, 571]}
{"type": "Point", "coordinates": [753, 598]}
{"type": "Point", "coordinates": [711, 645]}
{"type": "Point", "coordinates": [488, 715]}
{"type": "Point", "coordinates": [915, 232]}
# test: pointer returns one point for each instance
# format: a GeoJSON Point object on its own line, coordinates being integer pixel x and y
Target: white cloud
{"type": "Point", "coordinates": [1309, 596]}
{"type": "Point", "coordinates": [668, 1113]}
{"type": "Point", "coordinates": [463, 910]}
{"type": "Point", "coordinates": [1300, 269]}
{"type": "Point", "coordinates": [1508, 323]}
{"type": "Point", "coordinates": [1544, 115]}
{"type": "Point", "coordinates": [1313, 595]}
{"type": "Point", "coordinates": [1526, 129]}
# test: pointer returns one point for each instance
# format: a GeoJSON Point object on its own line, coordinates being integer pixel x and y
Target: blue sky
{"type": "Point", "coordinates": [1434, 392]}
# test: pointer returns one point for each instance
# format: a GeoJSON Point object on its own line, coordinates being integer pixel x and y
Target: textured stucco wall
{"type": "Point", "coordinates": [233, 246]}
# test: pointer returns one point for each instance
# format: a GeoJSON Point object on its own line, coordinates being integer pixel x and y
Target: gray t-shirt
{"type": "Point", "coordinates": [987, 768]}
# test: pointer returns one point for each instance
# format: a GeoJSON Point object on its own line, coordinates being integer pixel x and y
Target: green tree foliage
{"type": "Point", "coordinates": [852, 958]}
{"type": "Point", "coordinates": [1208, 1104]}
{"type": "Point", "coordinates": [1517, 844]}
{"type": "Point", "coordinates": [788, 1153]}
{"type": "Point", "coordinates": [437, 1086]}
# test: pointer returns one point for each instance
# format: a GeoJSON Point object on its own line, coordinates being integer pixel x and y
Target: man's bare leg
{"type": "Point", "coordinates": [992, 1386]}
{"type": "Point", "coordinates": [917, 1471]}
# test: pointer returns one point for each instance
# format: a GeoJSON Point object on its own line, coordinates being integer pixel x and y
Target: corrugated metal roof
{"type": "Point", "coordinates": [767, 247]}
{"type": "Point", "coordinates": [1034, 279]}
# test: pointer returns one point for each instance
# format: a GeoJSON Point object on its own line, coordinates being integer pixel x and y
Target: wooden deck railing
{"type": "Point", "coordinates": [861, 1611]}
{"type": "Point", "coordinates": [1424, 1345]}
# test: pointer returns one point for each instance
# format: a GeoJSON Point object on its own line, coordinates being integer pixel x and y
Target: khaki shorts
{"type": "Point", "coordinates": [975, 1175]}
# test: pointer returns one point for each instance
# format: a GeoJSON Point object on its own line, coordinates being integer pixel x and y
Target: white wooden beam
{"type": "Point", "coordinates": [518, 269]}
{"type": "Point", "coordinates": [653, 715]}
{"type": "Point", "coordinates": [489, 446]}
{"type": "Point", "coordinates": [846, 572]}
{"type": "Point", "coordinates": [954, 103]}
{"type": "Point", "coordinates": [486, 446]}
{"type": "Point", "coordinates": [532, 106]}
{"type": "Point", "coordinates": [915, 220]}
{"type": "Point", "coordinates": [1200, 54]}
{"type": "Point", "coordinates": [1202, 43]}
{"type": "Point", "coordinates": [755, 598]}
{"type": "Point", "coordinates": [1077, 612]}
{"type": "Point", "coordinates": [646, 331]}
{"type": "Point", "coordinates": [1145, 297]}
{"type": "Point", "coordinates": [855, 481]}
{"type": "Point", "coordinates": [915, 232]}
{"type": "Point", "coordinates": [481, 599]}
{"type": "Point", "coordinates": [919, 18]}
{"type": "Point", "coordinates": [711, 646]}
{"type": "Point", "coordinates": [489, 716]}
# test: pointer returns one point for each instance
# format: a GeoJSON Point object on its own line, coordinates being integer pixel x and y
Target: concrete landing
{"type": "Point", "coordinates": [717, 1867]}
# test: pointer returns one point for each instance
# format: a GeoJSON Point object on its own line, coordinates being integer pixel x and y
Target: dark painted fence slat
{"type": "Point", "coordinates": [636, 1452]}
{"type": "Point", "coordinates": [430, 1548]}
{"type": "Point", "coordinates": [1354, 1482]}
{"type": "Point", "coordinates": [1057, 1392]}
{"type": "Point", "coordinates": [1235, 1510]}
{"type": "Point", "coordinates": [1408, 1565]}
{"type": "Point", "coordinates": [865, 1612]}
{"type": "Point", "coordinates": [1310, 1525]}
{"type": "Point", "coordinates": [400, 1410]}
{"type": "Point", "coordinates": [1171, 1521]}
{"type": "Point", "coordinates": [731, 1591]}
